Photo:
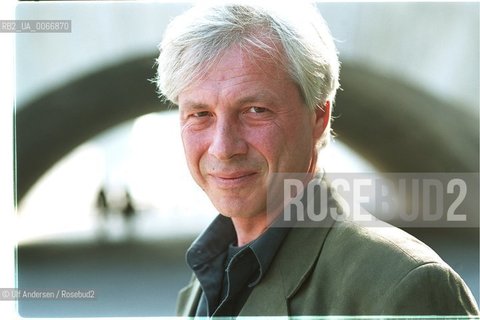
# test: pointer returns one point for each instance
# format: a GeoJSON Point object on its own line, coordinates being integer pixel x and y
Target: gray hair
{"type": "Point", "coordinates": [195, 40]}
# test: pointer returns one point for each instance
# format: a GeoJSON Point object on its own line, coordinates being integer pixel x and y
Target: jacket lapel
{"type": "Point", "coordinates": [290, 268]}
{"type": "Point", "coordinates": [268, 297]}
{"type": "Point", "coordinates": [288, 271]}
{"type": "Point", "coordinates": [188, 299]}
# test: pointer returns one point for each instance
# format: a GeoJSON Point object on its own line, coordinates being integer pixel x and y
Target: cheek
{"type": "Point", "coordinates": [290, 145]}
{"type": "Point", "coordinates": [192, 146]}
{"type": "Point", "coordinates": [269, 141]}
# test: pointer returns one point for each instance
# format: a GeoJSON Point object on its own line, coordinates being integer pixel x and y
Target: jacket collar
{"type": "Point", "coordinates": [302, 246]}
{"type": "Point", "coordinates": [284, 278]}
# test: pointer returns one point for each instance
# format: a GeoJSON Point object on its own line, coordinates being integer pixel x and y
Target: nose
{"type": "Point", "coordinates": [227, 141]}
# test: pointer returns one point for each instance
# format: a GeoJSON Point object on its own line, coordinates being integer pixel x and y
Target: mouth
{"type": "Point", "coordinates": [232, 180]}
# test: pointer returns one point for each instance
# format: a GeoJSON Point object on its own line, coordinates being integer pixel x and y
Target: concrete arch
{"type": "Point", "coordinates": [396, 127]}
{"type": "Point", "coordinates": [400, 128]}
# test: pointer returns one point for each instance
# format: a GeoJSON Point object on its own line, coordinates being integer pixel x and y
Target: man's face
{"type": "Point", "coordinates": [241, 122]}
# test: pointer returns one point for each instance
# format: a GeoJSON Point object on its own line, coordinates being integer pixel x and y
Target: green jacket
{"type": "Point", "coordinates": [344, 268]}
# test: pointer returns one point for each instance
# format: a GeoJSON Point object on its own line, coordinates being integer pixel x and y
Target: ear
{"type": "Point", "coordinates": [322, 120]}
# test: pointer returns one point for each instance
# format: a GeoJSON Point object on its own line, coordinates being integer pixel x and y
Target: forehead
{"type": "Point", "coordinates": [247, 70]}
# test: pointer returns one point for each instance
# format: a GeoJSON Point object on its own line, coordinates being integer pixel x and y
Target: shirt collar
{"type": "Point", "coordinates": [213, 241]}
{"type": "Point", "coordinates": [221, 233]}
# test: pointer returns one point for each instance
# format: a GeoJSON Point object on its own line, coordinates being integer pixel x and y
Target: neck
{"type": "Point", "coordinates": [249, 228]}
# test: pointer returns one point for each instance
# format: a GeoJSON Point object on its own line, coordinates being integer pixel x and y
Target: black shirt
{"type": "Point", "coordinates": [227, 273]}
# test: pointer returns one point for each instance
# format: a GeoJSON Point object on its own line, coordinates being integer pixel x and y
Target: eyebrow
{"type": "Point", "coordinates": [193, 105]}
{"type": "Point", "coordinates": [261, 96]}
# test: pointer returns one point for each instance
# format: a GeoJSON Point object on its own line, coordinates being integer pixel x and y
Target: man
{"type": "Point", "coordinates": [255, 87]}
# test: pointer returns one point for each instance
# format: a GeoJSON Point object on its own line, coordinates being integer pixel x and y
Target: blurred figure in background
{"type": "Point", "coordinates": [128, 213]}
{"type": "Point", "coordinates": [116, 212]}
{"type": "Point", "coordinates": [103, 209]}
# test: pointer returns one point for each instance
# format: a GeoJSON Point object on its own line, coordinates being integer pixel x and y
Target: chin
{"type": "Point", "coordinates": [237, 205]}
{"type": "Point", "coordinates": [232, 211]}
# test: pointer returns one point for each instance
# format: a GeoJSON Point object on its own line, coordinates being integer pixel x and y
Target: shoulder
{"type": "Point", "coordinates": [376, 243]}
{"type": "Point", "coordinates": [380, 269]}
{"type": "Point", "coordinates": [372, 257]}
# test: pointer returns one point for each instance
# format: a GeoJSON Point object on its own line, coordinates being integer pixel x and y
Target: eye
{"type": "Point", "coordinates": [257, 110]}
{"type": "Point", "coordinates": [201, 114]}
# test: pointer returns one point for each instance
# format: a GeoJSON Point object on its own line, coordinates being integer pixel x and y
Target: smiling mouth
{"type": "Point", "coordinates": [232, 180]}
